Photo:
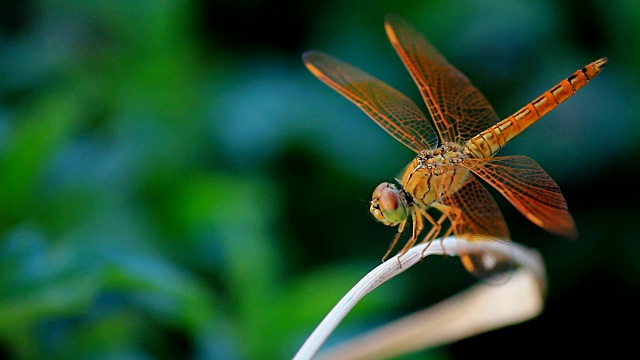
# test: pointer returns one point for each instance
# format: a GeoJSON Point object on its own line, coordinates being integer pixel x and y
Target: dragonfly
{"type": "Point", "coordinates": [454, 150]}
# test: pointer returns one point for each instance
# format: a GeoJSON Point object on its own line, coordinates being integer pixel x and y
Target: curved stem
{"type": "Point", "coordinates": [525, 257]}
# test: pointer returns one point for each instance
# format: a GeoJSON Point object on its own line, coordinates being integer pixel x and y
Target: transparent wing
{"type": "Point", "coordinates": [530, 189]}
{"type": "Point", "coordinates": [459, 110]}
{"type": "Point", "coordinates": [475, 216]}
{"type": "Point", "coordinates": [388, 107]}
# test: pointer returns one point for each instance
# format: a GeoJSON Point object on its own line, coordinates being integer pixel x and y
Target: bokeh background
{"type": "Point", "coordinates": [174, 184]}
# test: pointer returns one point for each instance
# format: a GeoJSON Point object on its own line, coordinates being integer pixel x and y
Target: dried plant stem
{"type": "Point", "coordinates": [510, 311]}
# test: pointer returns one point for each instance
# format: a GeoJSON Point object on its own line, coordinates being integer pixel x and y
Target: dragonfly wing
{"type": "Point", "coordinates": [475, 216]}
{"type": "Point", "coordinates": [388, 107]}
{"type": "Point", "coordinates": [458, 109]}
{"type": "Point", "coordinates": [530, 189]}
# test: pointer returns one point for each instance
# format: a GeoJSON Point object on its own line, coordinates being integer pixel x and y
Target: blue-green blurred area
{"type": "Point", "coordinates": [174, 184]}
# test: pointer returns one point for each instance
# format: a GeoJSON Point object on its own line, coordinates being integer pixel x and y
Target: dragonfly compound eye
{"type": "Point", "coordinates": [387, 206]}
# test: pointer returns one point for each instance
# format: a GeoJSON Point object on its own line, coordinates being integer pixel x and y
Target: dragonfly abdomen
{"type": "Point", "coordinates": [490, 141]}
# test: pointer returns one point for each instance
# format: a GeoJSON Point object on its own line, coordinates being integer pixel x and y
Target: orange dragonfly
{"type": "Point", "coordinates": [468, 133]}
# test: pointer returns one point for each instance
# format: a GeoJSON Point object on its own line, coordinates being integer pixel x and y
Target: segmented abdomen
{"type": "Point", "coordinates": [488, 142]}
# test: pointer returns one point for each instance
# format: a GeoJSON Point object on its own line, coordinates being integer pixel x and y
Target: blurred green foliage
{"type": "Point", "coordinates": [175, 185]}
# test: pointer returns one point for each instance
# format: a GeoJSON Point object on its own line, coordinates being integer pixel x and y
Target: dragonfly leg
{"type": "Point", "coordinates": [453, 215]}
{"type": "Point", "coordinates": [418, 225]}
{"type": "Point", "coordinates": [435, 230]}
{"type": "Point", "coordinates": [395, 239]}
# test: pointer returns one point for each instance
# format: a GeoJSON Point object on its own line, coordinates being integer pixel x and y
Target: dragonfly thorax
{"type": "Point", "coordinates": [430, 175]}
{"type": "Point", "coordinates": [448, 153]}
{"type": "Point", "coordinates": [433, 173]}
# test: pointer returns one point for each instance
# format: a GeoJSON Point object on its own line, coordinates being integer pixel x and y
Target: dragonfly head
{"type": "Point", "coordinates": [388, 205]}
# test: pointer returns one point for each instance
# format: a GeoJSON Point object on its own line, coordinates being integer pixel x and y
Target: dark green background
{"type": "Point", "coordinates": [174, 184]}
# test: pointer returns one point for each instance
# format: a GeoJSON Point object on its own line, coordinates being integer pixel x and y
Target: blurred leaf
{"type": "Point", "coordinates": [161, 289]}
{"type": "Point", "coordinates": [40, 132]}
